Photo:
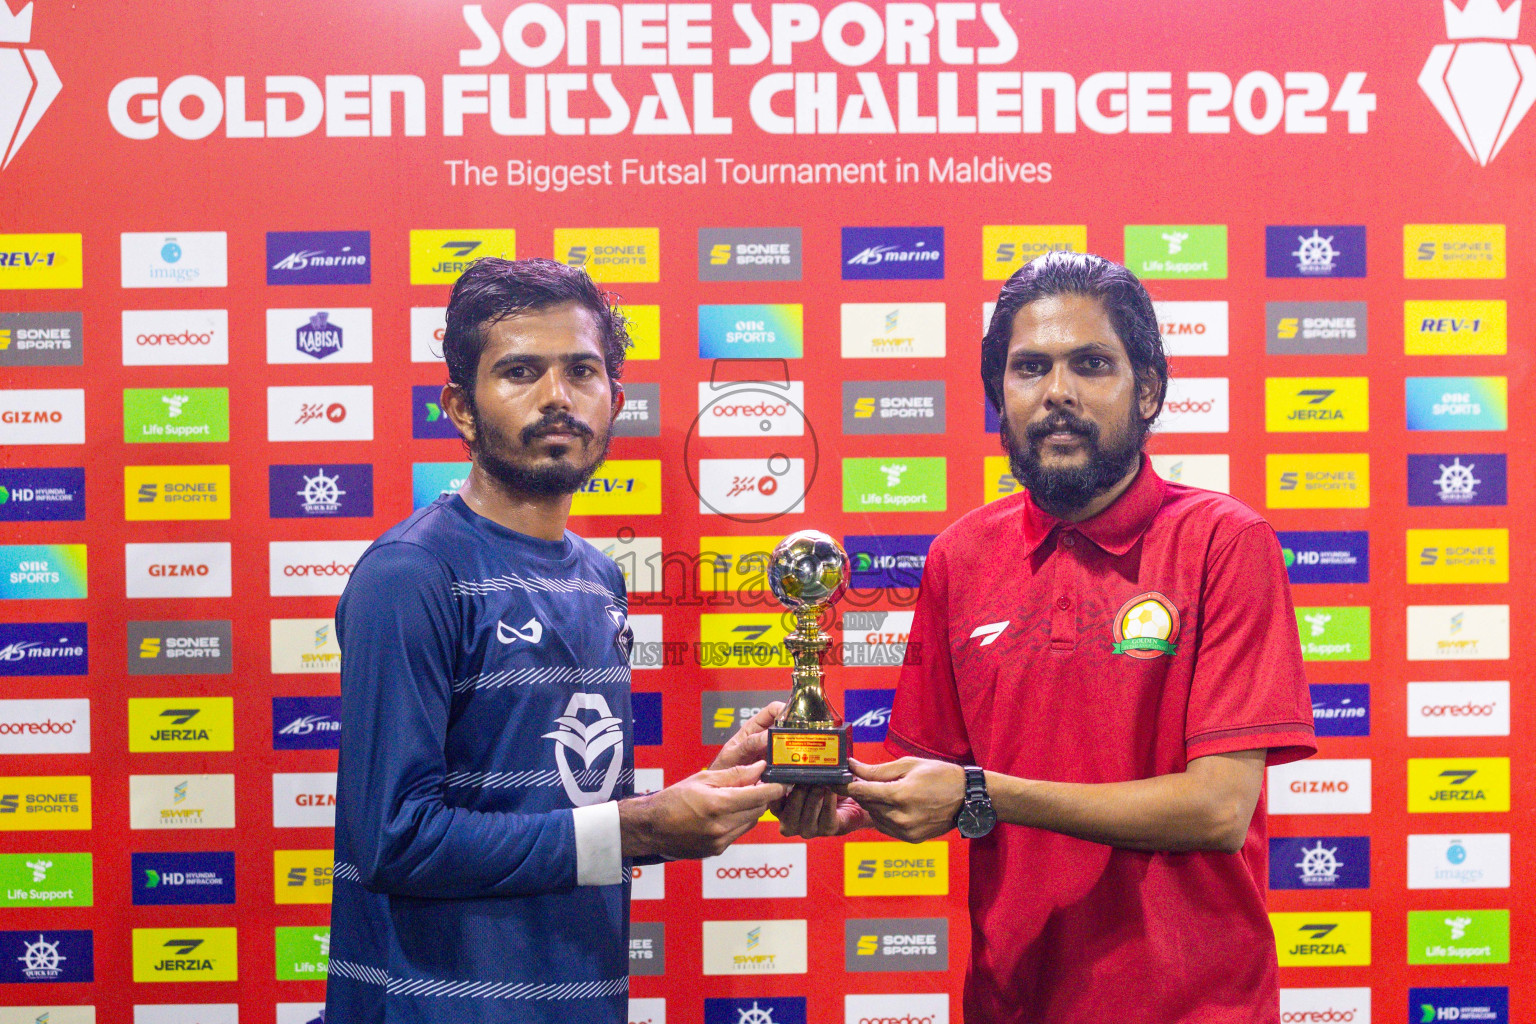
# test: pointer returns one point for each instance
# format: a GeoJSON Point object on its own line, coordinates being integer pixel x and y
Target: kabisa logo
{"type": "Point", "coordinates": [42, 495]}
{"type": "Point", "coordinates": [41, 339]}
{"type": "Point", "coordinates": [1458, 479]}
{"type": "Point", "coordinates": [306, 723]}
{"type": "Point", "coordinates": [318, 257]}
{"type": "Point", "coordinates": [623, 255]}
{"type": "Point", "coordinates": [887, 560]}
{"type": "Point", "coordinates": [892, 254]}
{"type": "Point", "coordinates": [319, 337]}
{"type": "Point", "coordinates": [780, 1010]}
{"type": "Point", "coordinates": [337, 334]}
{"type": "Point", "coordinates": [27, 75]}
{"type": "Point", "coordinates": [1146, 626]}
{"type": "Point", "coordinates": [1341, 709]}
{"type": "Point", "coordinates": [47, 956]}
{"type": "Point", "coordinates": [1314, 939]}
{"type": "Point", "coordinates": [428, 418]}
{"type": "Point", "coordinates": [320, 492]}
{"type": "Point", "coordinates": [749, 254]}
{"type": "Point", "coordinates": [183, 879]}
{"type": "Point", "coordinates": [588, 740]}
{"type": "Point", "coordinates": [439, 257]}
{"type": "Point", "coordinates": [868, 713]}
{"type": "Point", "coordinates": [43, 649]}
{"type": "Point", "coordinates": [1334, 250]}
{"type": "Point", "coordinates": [1326, 862]}
{"type": "Point", "coordinates": [1327, 556]}
{"type": "Point", "coordinates": [1481, 1005]}
{"type": "Point", "coordinates": [1481, 82]}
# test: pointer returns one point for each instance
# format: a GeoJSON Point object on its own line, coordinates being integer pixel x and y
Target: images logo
{"type": "Point", "coordinates": [306, 723]}
{"type": "Point", "coordinates": [178, 570]}
{"type": "Point", "coordinates": [45, 803]}
{"type": "Point", "coordinates": [181, 801]}
{"type": "Point", "coordinates": [879, 330]}
{"type": "Point", "coordinates": [158, 493]}
{"type": "Point", "coordinates": [1173, 251]}
{"type": "Point", "coordinates": [1457, 784]}
{"type": "Point", "coordinates": [439, 257]}
{"type": "Point", "coordinates": [42, 571]}
{"type": "Point", "coordinates": [321, 492]}
{"type": "Point", "coordinates": [318, 257]}
{"type": "Point", "coordinates": [1193, 328]}
{"type": "Point", "coordinates": [1482, 89]}
{"type": "Point", "coordinates": [893, 254]}
{"type": "Point", "coordinates": [749, 254]}
{"type": "Point", "coordinates": [1462, 251]}
{"type": "Point", "coordinates": [42, 495]}
{"type": "Point", "coordinates": [1335, 634]}
{"type": "Point", "coordinates": [185, 259]}
{"type": "Point", "coordinates": [1478, 632]}
{"type": "Point", "coordinates": [1309, 250]}
{"type": "Point", "coordinates": [47, 956]}
{"type": "Point", "coordinates": [1341, 709]}
{"type": "Point", "coordinates": [1459, 861]}
{"type": "Point", "coordinates": [1457, 403]}
{"type": "Point", "coordinates": [1464, 478]}
{"type": "Point", "coordinates": [182, 879]}
{"type": "Point", "coordinates": [37, 261]}
{"type": "Point", "coordinates": [175, 414]}
{"type": "Point", "coordinates": [893, 407]}
{"type": "Point", "coordinates": [1458, 709]}
{"type": "Point", "coordinates": [307, 335]}
{"type": "Point", "coordinates": [892, 869]}
{"type": "Point", "coordinates": [1458, 936]}
{"type": "Point", "coordinates": [43, 649]}
{"type": "Point", "coordinates": [1318, 480]}
{"type": "Point", "coordinates": [1315, 328]}
{"type": "Point", "coordinates": [1007, 247]}
{"type": "Point", "coordinates": [612, 255]}
{"type": "Point", "coordinates": [1321, 786]}
{"type": "Point", "coordinates": [326, 413]}
{"type": "Point", "coordinates": [1328, 862]}
{"type": "Point", "coordinates": [184, 954]}
{"type": "Point", "coordinates": [1456, 327]}
{"type": "Point", "coordinates": [895, 484]}
{"type": "Point", "coordinates": [1485, 1005]}
{"type": "Point", "coordinates": [46, 880]}
{"type": "Point", "coordinates": [28, 74]}
{"type": "Point", "coordinates": [175, 337]}
{"type": "Point", "coordinates": [1317, 404]}
{"type": "Point", "coordinates": [181, 723]}
{"type": "Point", "coordinates": [1319, 939]}
{"type": "Point", "coordinates": [42, 416]}
{"type": "Point", "coordinates": [1327, 556]}
{"type": "Point", "coordinates": [1458, 556]}
{"type": "Point", "coordinates": [887, 560]}
{"type": "Point", "coordinates": [41, 339]}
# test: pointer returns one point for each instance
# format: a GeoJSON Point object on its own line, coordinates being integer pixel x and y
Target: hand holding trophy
{"type": "Point", "coordinates": [808, 573]}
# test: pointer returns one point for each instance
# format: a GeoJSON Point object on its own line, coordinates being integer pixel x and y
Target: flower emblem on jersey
{"type": "Point", "coordinates": [1146, 626]}
{"type": "Point", "coordinates": [589, 740]}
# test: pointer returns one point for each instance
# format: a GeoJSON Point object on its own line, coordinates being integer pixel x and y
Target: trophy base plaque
{"type": "Point", "coordinates": [808, 757]}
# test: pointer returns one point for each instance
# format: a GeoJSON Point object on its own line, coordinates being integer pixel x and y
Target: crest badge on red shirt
{"type": "Point", "coordinates": [1147, 626]}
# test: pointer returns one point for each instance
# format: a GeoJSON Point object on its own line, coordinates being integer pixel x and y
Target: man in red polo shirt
{"type": "Point", "coordinates": [1102, 666]}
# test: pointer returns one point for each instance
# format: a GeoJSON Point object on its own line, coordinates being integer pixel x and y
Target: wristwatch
{"type": "Point", "coordinates": [976, 814]}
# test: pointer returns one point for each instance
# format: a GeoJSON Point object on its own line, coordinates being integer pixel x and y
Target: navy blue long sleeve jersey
{"type": "Point", "coordinates": [485, 712]}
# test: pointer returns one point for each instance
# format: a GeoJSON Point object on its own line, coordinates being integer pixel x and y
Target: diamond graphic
{"type": "Point", "coordinates": [1482, 89]}
{"type": "Point", "coordinates": [28, 83]}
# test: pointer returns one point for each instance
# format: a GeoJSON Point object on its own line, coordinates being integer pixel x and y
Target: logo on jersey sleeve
{"type": "Point", "coordinates": [1146, 626]}
{"type": "Point", "coordinates": [588, 740]}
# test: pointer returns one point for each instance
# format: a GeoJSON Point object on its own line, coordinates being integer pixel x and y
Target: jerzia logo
{"type": "Point", "coordinates": [22, 72]}
{"type": "Point", "coordinates": [1483, 89]}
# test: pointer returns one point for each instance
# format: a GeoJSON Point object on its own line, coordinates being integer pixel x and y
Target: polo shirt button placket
{"type": "Point", "coordinates": [1064, 619]}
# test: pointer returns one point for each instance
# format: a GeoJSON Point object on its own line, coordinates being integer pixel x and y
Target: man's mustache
{"type": "Point", "coordinates": [554, 423]}
{"type": "Point", "coordinates": [1061, 422]}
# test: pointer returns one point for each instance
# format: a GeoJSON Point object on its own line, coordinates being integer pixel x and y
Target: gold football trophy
{"type": "Point", "coordinates": [808, 572]}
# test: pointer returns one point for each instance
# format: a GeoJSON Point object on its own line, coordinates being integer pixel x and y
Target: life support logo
{"type": "Point", "coordinates": [1146, 626]}
{"type": "Point", "coordinates": [588, 740]}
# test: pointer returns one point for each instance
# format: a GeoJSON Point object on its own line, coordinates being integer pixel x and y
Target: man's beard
{"type": "Point", "coordinates": [1063, 491]}
{"type": "Point", "coordinates": [553, 477]}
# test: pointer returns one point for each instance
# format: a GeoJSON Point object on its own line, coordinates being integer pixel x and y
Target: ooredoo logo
{"type": "Point", "coordinates": [175, 337]}
{"type": "Point", "coordinates": [45, 726]}
{"type": "Point", "coordinates": [1195, 405]}
{"type": "Point", "coordinates": [752, 409]}
{"type": "Point", "coordinates": [1328, 1016]}
{"type": "Point", "coordinates": [759, 870]}
{"type": "Point", "coordinates": [301, 568]}
{"type": "Point", "coordinates": [1325, 1006]}
{"type": "Point", "coordinates": [905, 1008]}
{"type": "Point", "coordinates": [1458, 709]}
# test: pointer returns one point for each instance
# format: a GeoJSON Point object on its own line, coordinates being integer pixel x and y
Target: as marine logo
{"type": "Point", "coordinates": [1147, 626]}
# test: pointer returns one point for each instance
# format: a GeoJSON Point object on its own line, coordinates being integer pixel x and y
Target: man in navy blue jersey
{"type": "Point", "coordinates": [485, 821]}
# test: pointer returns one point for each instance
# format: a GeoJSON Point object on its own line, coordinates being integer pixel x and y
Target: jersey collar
{"type": "Point", "coordinates": [1117, 528]}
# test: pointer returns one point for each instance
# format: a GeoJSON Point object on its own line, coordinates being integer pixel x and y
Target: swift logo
{"type": "Point", "coordinates": [990, 632]}
{"type": "Point", "coordinates": [589, 741]}
{"type": "Point", "coordinates": [532, 631]}
{"type": "Point", "coordinates": [23, 72]}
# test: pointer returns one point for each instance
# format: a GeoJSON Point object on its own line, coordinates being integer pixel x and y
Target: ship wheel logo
{"type": "Point", "coordinates": [1319, 863]}
{"type": "Point", "coordinates": [41, 957]}
{"type": "Point", "coordinates": [755, 1015]}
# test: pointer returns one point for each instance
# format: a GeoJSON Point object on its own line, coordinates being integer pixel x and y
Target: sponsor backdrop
{"type": "Point", "coordinates": [224, 255]}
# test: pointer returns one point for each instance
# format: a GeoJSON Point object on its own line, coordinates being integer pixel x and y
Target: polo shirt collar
{"type": "Point", "coordinates": [1116, 529]}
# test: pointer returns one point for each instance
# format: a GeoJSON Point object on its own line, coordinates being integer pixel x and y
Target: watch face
{"type": "Point", "coordinates": [976, 820]}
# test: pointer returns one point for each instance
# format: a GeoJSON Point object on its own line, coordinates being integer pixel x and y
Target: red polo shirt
{"type": "Point", "coordinates": [1117, 648]}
